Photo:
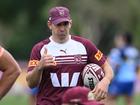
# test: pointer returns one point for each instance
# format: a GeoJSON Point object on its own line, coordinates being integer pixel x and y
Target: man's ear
{"type": "Point", "coordinates": [49, 25]}
{"type": "Point", "coordinates": [70, 23]}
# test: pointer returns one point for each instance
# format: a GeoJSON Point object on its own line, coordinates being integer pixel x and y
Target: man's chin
{"type": "Point", "coordinates": [62, 35]}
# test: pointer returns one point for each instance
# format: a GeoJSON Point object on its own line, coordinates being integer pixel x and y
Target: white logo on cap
{"type": "Point", "coordinates": [61, 12]}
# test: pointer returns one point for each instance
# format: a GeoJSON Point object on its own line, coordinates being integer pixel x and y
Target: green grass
{"type": "Point", "coordinates": [14, 100]}
{"type": "Point", "coordinates": [23, 100]}
{"type": "Point", "coordinates": [136, 100]}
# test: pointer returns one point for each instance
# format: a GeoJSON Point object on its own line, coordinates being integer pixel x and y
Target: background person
{"type": "Point", "coordinates": [137, 83]}
{"type": "Point", "coordinates": [123, 58]}
{"type": "Point", "coordinates": [32, 96]}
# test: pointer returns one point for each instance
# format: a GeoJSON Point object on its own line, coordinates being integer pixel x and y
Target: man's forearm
{"type": "Point", "coordinates": [108, 71]}
{"type": "Point", "coordinates": [33, 77]}
{"type": "Point", "coordinates": [7, 80]}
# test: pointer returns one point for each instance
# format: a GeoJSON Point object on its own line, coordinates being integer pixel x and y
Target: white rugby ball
{"type": "Point", "coordinates": [92, 74]}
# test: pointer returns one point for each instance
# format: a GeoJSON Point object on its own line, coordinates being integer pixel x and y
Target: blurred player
{"type": "Point", "coordinates": [137, 83]}
{"type": "Point", "coordinates": [56, 63]}
{"type": "Point", "coordinates": [10, 71]}
{"type": "Point", "coordinates": [32, 97]}
{"type": "Point", "coordinates": [123, 59]}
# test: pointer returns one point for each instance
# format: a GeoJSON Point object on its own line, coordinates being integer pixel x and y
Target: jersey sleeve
{"type": "Point", "coordinates": [34, 57]}
{"type": "Point", "coordinates": [94, 54]}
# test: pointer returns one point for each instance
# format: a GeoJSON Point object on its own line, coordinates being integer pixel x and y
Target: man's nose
{"type": "Point", "coordinates": [62, 27]}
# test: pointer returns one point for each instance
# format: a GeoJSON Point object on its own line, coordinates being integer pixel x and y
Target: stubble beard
{"type": "Point", "coordinates": [63, 37]}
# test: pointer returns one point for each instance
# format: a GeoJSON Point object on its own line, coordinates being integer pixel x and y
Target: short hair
{"type": "Point", "coordinates": [128, 38]}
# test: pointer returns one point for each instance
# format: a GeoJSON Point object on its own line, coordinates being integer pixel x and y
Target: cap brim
{"type": "Point", "coordinates": [60, 20]}
{"type": "Point", "coordinates": [92, 103]}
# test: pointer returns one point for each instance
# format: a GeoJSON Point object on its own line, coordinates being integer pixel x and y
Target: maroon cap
{"type": "Point", "coordinates": [59, 14]}
{"type": "Point", "coordinates": [78, 95]}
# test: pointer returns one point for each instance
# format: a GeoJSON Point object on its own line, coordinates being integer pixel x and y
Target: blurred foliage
{"type": "Point", "coordinates": [23, 23]}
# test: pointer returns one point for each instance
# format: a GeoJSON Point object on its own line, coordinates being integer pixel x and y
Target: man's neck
{"type": "Point", "coordinates": [60, 39]}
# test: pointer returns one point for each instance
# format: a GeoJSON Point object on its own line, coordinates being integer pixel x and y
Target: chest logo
{"type": "Point", "coordinates": [78, 59]}
{"type": "Point", "coordinates": [64, 51]}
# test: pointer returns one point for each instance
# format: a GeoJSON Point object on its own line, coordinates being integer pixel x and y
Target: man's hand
{"type": "Point", "coordinates": [101, 89]}
{"type": "Point", "coordinates": [46, 61]}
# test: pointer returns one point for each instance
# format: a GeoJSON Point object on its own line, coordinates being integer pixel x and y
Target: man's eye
{"type": "Point", "coordinates": [63, 24]}
{"type": "Point", "coordinates": [66, 23]}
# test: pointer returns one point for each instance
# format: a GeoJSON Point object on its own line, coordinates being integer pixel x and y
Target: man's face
{"type": "Point", "coordinates": [119, 41]}
{"type": "Point", "coordinates": [61, 30]}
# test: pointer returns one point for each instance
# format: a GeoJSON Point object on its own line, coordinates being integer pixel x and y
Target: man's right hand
{"type": "Point", "coordinates": [46, 61]}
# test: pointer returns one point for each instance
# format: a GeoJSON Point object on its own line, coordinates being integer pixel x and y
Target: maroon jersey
{"type": "Point", "coordinates": [71, 57]}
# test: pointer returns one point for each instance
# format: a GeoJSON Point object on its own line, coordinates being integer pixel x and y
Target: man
{"type": "Point", "coordinates": [10, 71]}
{"type": "Point", "coordinates": [79, 96]}
{"type": "Point", "coordinates": [56, 63]}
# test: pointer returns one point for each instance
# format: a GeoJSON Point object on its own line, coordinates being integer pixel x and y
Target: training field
{"type": "Point", "coordinates": [23, 100]}
{"type": "Point", "coordinates": [15, 100]}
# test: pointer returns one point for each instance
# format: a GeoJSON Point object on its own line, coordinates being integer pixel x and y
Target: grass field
{"type": "Point", "coordinates": [136, 100]}
{"type": "Point", "coordinates": [14, 100]}
{"type": "Point", "coordinates": [23, 100]}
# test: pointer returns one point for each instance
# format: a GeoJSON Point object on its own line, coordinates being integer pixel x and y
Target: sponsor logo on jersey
{"type": "Point", "coordinates": [98, 55]}
{"type": "Point", "coordinates": [33, 63]}
{"type": "Point", "coordinates": [65, 81]}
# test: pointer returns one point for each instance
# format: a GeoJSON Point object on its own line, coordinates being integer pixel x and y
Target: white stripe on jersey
{"type": "Point", "coordinates": [70, 52]}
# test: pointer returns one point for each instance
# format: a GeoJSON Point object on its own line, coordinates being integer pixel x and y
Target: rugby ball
{"type": "Point", "coordinates": [92, 74]}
